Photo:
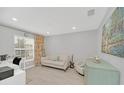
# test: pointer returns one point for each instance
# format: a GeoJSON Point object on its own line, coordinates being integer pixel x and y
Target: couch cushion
{"type": "Point", "coordinates": [63, 58]}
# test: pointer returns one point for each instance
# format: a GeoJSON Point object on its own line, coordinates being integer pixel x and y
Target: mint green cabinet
{"type": "Point", "coordinates": [101, 73]}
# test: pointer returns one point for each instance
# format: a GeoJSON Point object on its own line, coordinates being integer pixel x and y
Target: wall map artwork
{"type": "Point", "coordinates": [113, 34]}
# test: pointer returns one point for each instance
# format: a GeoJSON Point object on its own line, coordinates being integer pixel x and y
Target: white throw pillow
{"type": "Point", "coordinates": [52, 57]}
{"type": "Point", "coordinates": [63, 58]}
{"type": "Point", "coordinates": [58, 58]}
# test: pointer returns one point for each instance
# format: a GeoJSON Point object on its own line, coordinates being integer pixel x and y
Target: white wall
{"type": "Point", "coordinates": [80, 44]}
{"type": "Point", "coordinates": [114, 60]}
{"type": "Point", "coordinates": [7, 40]}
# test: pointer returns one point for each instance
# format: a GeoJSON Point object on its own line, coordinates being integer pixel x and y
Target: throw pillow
{"type": "Point", "coordinates": [16, 60]}
{"type": "Point", "coordinates": [58, 58]}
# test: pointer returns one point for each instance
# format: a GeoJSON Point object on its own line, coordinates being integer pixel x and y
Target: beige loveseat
{"type": "Point", "coordinates": [60, 62]}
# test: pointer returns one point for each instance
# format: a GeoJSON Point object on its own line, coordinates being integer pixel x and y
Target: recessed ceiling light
{"type": "Point", "coordinates": [48, 33]}
{"type": "Point", "coordinates": [14, 19]}
{"type": "Point", "coordinates": [73, 27]}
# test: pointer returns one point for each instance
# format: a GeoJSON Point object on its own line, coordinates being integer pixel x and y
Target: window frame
{"type": "Point", "coordinates": [25, 49]}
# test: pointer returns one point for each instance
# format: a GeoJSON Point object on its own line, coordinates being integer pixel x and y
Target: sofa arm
{"type": "Point", "coordinates": [22, 64]}
{"type": "Point", "coordinates": [66, 65]}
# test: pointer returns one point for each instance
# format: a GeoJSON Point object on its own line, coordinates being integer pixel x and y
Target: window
{"type": "Point", "coordinates": [24, 47]}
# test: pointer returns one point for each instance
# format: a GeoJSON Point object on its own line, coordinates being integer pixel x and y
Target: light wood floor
{"type": "Point", "coordinates": [49, 76]}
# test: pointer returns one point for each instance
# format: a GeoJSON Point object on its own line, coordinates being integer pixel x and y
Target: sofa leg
{"type": "Point", "coordinates": [65, 70]}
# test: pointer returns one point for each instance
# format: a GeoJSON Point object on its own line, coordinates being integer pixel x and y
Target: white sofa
{"type": "Point", "coordinates": [21, 64]}
{"type": "Point", "coordinates": [60, 62]}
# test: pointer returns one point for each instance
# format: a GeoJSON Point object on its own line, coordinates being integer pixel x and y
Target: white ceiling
{"type": "Point", "coordinates": [53, 20]}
